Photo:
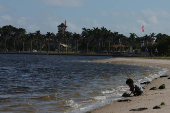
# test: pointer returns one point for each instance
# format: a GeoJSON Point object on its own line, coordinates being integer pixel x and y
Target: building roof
{"type": "Point", "coordinates": [62, 25]}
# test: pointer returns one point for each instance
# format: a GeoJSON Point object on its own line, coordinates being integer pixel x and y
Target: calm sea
{"type": "Point", "coordinates": [64, 84]}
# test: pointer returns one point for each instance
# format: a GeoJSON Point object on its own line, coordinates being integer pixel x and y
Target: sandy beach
{"type": "Point", "coordinates": [149, 98]}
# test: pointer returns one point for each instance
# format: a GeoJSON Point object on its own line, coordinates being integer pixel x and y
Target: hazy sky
{"type": "Point", "coordinates": [123, 16]}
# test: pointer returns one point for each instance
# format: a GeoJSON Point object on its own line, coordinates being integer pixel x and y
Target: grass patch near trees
{"type": "Point", "coordinates": [162, 58]}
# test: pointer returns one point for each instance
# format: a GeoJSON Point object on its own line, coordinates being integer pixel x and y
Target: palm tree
{"type": "Point", "coordinates": [37, 36]}
{"type": "Point", "coordinates": [90, 39]}
{"type": "Point", "coordinates": [41, 40]}
{"type": "Point", "coordinates": [85, 34]}
{"type": "Point", "coordinates": [152, 36]}
{"type": "Point", "coordinates": [31, 37]}
{"type": "Point", "coordinates": [97, 33]}
{"type": "Point", "coordinates": [107, 36]}
{"type": "Point", "coordinates": [114, 38]}
{"type": "Point", "coordinates": [49, 37]}
{"type": "Point", "coordinates": [22, 38]}
{"type": "Point", "coordinates": [59, 38]}
{"type": "Point", "coordinates": [104, 37]}
{"type": "Point", "coordinates": [15, 38]}
{"type": "Point", "coordinates": [6, 32]}
{"type": "Point", "coordinates": [53, 40]}
{"type": "Point", "coordinates": [132, 37]}
{"type": "Point", "coordinates": [21, 33]}
{"type": "Point", "coordinates": [68, 35]}
{"type": "Point", "coordinates": [147, 39]}
{"type": "Point", "coordinates": [76, 37]}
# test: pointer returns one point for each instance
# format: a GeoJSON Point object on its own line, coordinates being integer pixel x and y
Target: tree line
{"type": "Point", "coordinates": [98, 40]}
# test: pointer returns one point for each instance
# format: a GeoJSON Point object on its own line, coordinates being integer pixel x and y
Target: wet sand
{"type": "Point", "coordinates": [149, 98]}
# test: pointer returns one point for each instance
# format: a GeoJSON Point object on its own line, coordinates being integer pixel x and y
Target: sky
{"type": "Point", "coordinates": [123, 16]}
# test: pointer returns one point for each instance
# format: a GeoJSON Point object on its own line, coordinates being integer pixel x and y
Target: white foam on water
{"type": "Point", "coordinates": [71, 103]}
{"type": "Point", "coordinates": [108, 91]}
{"type": "Point", "coordinates": [99, 101]}
{"type": "Point", "coordinates": [100, 98]}
{"type": "Point", "coordinates": [122, 88]}
{"type": "Point", "coordinates": [94, 105]}
{"type": "Point", "coordinates": [152, 76]}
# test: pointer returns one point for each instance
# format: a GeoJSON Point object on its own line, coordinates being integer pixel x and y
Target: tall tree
{"type": "Point", "coordinates": [97, 37]}
{"type": "Point", "coordinates": [49, 38]}
{"type": "Point", "coordinates": [21, 33]}
{"type": "Point", "coordinates": [31, 37]}
{"type": "Point", "coordinates": [132, 37]}
{"type": "Point", "coordinates": [6, 33]}
{"type": "Point", "coordinates": [115, 39]}
{"type": "Point", "coordinates": [86, 34]}
{"type": "Point", "coordinates": [68, 36]}
{"type": "Point", "coordinates": [76, 37]}
{"type": "Point", "coordinates": [37, 36]}
{"type": "Point", "coordinates": [60, 36]}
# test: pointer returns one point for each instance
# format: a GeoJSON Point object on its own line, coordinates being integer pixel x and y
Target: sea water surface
{"type": "Point", "coordinates": [64, 84]}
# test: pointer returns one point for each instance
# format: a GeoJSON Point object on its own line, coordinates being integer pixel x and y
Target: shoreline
{"type": "Point", "coordinates": [149, 98]}
{"type": "Point", "coordinates": [73, 54]}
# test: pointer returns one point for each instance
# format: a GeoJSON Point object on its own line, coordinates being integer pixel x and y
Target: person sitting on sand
{"type": "Point", "coordinates": [135, 89]}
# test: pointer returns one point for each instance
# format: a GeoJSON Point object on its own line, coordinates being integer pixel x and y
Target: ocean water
{"type": "Point", "coordinates": [64, 84]}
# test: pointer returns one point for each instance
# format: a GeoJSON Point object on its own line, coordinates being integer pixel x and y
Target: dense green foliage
{"type": "Point", "coordinates": [98, 40]}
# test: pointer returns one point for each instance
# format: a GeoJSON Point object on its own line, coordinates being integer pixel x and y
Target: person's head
{"type": "Point", "coordinates": [129, 82]}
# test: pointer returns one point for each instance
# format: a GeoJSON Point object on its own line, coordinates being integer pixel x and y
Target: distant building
{"type": "Point", "coordinates": [62, 27]}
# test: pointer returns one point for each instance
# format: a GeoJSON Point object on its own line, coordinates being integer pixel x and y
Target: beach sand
{"type": "Point", "coordinates": [149, 98]}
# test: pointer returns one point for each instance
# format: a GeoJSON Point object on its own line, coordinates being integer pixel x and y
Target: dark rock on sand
{"type": "Point", "coordinates": [163, 103]}
{"type": "Point", "coordinates": [139, 109]}
{"type": "Point", "coordinates": [145, 83]}
{"type": "Point", "coordinates": [162, 86]}
{"type": "Point", "coordinates": [153, 88]}
{"type": "Point", "coordinates": [164, 76]}
{"type": "Point", "coordinates": [156, 107]}
{"type": "Point", "coordinates": [126, 100]}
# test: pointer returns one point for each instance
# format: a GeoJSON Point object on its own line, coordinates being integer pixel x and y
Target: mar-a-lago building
{"type": "Point", "coordinates": [62, 27]}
